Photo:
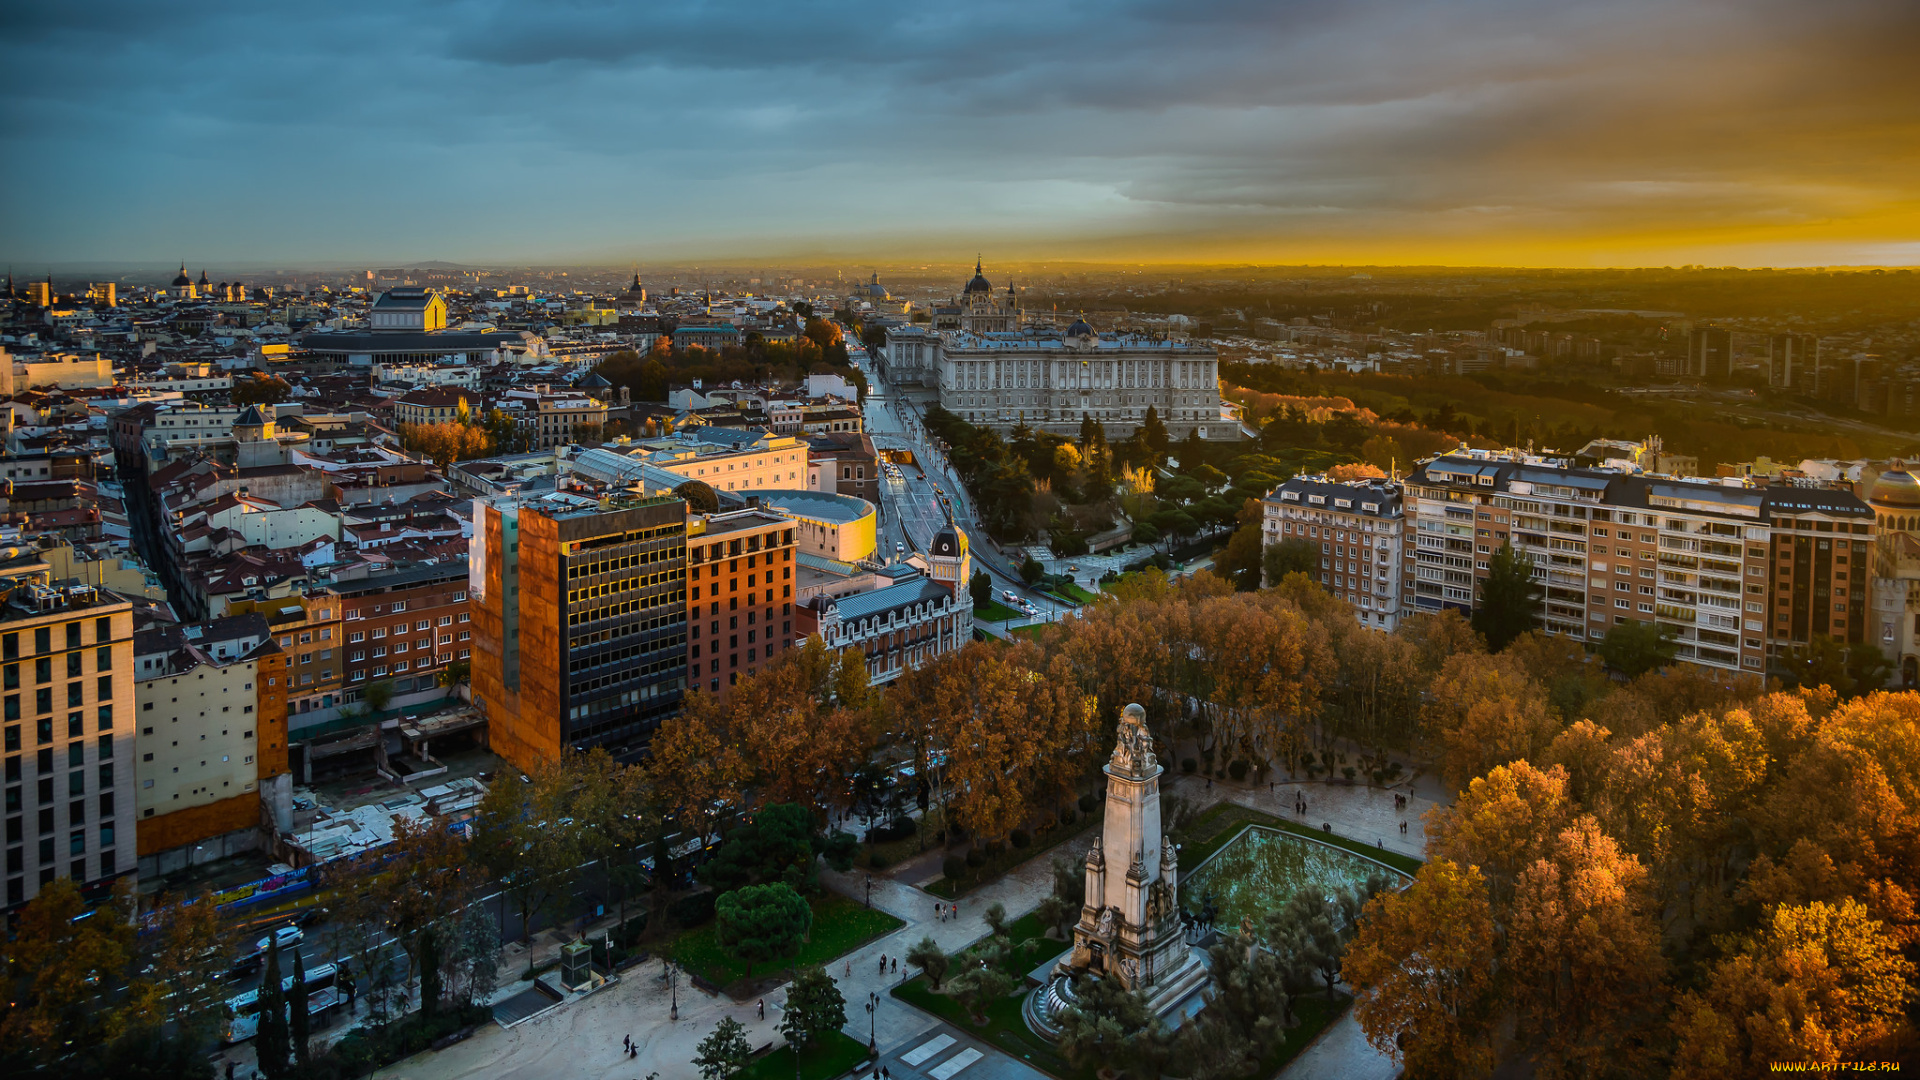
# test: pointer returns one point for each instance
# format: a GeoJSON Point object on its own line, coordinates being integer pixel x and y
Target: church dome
{"type": "Point", "coordinates": [182, 281]}
{"type": "Point", "coordinates": [979, 284]}
{"type": "Point", "coordinates": [1896, 487]}
{"type": "Point", "coordinates": [1081, 328]}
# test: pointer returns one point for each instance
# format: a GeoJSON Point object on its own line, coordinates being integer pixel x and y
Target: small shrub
{"type": "Point", "coordinates": [878, 860]}
{"type": "Point", "coordinates": [1238, 769]}
{"type": "Point", "coordinates": [1020, 838]}
{"type": "Point", "coordinates": [1088, 802]}
{"type": "Point", "coordinates": [1347, 772]}
{"type": "Point", "coordinates": [897, 830]}
{"type": "Point", "coordinates": [954, 867]}
{"type": "Point", "coordinates": [1188, 765]}
{"type": "Point", "coordinates": [976, 858]}
{"type": "Point", "coordinates": [1068, 817]}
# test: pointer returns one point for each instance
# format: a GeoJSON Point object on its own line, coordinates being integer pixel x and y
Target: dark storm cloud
{"type": "Point", "coordinates": [480, 129]}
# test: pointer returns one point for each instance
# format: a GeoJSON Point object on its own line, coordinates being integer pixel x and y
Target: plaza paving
{"type": "Point", "coordinates": [583, 1038]}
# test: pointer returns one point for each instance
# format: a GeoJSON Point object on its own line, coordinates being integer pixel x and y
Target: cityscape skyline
{"type": "Point", "coordinates": [1751, 134]}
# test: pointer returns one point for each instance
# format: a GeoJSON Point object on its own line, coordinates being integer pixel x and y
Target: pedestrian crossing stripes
{"type": "Point", "coordinates": [955, 1063]}
{"type": "Point", "coordinates": [927, 1049]}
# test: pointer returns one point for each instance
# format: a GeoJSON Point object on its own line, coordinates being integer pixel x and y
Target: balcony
{"type": "Point", "coordinates": [1675, 612]}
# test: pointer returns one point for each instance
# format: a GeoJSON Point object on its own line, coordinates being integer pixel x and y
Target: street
{"type": "Point", "coordinates": [913, 506]}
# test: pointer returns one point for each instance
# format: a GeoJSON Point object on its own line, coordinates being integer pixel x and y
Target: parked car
{"type": "Point", "coordinates": [286, 936]}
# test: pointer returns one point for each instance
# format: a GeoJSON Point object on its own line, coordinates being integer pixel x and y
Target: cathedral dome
{"type": "Point", "coordinates": [979, 284]}
{"type": "Point", "coordinates": [1081, 328]}
{"type": "Point", "coordinates": [1896, 487]}
{"type": "Point", "coordinates": [182, 281]}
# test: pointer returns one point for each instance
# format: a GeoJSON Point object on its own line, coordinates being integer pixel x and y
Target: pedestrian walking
{"type": "Point", "coordinates": [849, 975]}
{"type": "Point", "coordinates": [763, 1003]}
{"type": "Point", "coordinates": [896, 965]}
{"type": "Point", "coordinates": [626, 1042]}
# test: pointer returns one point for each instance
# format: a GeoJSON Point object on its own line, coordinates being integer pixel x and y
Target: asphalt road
{"type": "Point", "coordinates": [914, 508]}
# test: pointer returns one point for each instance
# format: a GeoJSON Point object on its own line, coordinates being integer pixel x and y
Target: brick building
{"type": "Point", "coordinates": [740, 580]}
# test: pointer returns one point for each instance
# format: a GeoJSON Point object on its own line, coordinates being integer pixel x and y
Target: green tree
{"type": "Point", "coordinates": [1291, 556]}
{"type": "Point", "coordinates": [814, 1008]}
{"type": "Point", "coordinates": [981, 586]}
{"type": "Point", "coordinates": [430, 985]}
{"type": "Point", "coordinates": [377, 695]}
{"type": "Point", "coordinates": [270, 1044]}
{"type": "Point", "coordinates": [1635, 648]}
{"type": "Point", "coordinates": [777, 845]}
{"type": "Point", "coordinates": [1509, 598]}
{"type": "Point", "coordinates": [1153, 434]}
{"type": "Point", "coordinates": [1828, 661]}
{"type": "Point", "coordinates": [761, 922]}
{"type": "Point", "coordinates": [928, 957]}
{"type": "Point", "coordinates": [725, 1051]}
{"type": "Point", "coordinates": [477, 953]}
{"type": "Point", "coordinates": [1110, 1027]}
{"type": "Point", "coordinates": [299, 1029]}
{"type": "Point", "coordinates": [1248, 1008]}
{"type": "Point", "coordinates": [1031, 571]}
{"type": "Point", "coordinates": [981, 982]}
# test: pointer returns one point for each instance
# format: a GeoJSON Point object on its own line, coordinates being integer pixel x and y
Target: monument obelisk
{"type": "Point", "coordinates": [1129, 926]}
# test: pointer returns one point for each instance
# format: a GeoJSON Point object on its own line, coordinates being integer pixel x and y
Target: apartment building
{"type": "Point", "coordinates": [212, 745]}
{"type": "Point", "coordinates": [1741, 571]}
{"type": "Point", "coordinates": [740, 581]}
{"type": "Point", "coordinates": [307, 628]}
{"type": "Point", "coordinates": [549, 418]}
{"type": "Point", "coordinates": [66, 680]}
{"type": "Point", "coordinates": [404, 627]}
{"type": "Point", "coordinates": [580, 621]}
{"type": "Point", "coordinates": [1359, 526]}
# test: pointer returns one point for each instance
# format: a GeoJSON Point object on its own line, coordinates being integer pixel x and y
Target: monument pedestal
{"type": "Point", "coordinates": [1130, 927]}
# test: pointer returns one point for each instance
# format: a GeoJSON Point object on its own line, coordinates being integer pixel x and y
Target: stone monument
{"type": "Point", "coordinates": [1130, 927]}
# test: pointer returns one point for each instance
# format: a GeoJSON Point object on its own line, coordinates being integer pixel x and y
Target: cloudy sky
{"type": "Point", "coordinates": [1540, 132]}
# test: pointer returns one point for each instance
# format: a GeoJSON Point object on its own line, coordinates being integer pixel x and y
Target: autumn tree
{"type": "Point", "coordinates": [1422, 967]}
{"type": "Point", "coordinates": [1815, 983]}
{"type": "Point", "coordinates": [697, 767]}
{"type": "Point", "coordinates": [57, 960]}
{"type": "Point", "coordinates": [1483, 711]}
{"type": "Point", "coordinates": [1583, 957]}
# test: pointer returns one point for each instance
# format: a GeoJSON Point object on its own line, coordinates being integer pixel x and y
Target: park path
{"type": "Point", "coordinates": [583, 1039]}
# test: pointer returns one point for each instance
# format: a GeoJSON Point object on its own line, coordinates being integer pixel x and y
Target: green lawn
{"type": "Point", "coordinates": [830, 1056]}
{"type": "Point", "coordinates": [1210, 832]}
{"type": "Point", "coordinates": [840, 925]}
{"type": "Point", "coordinates": [996, 612]}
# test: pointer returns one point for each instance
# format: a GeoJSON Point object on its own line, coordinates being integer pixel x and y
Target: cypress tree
{"type": "Point", "coordinates": [429, 974]}
{"type": "Point", "coordinates": [298, 1003]}
{"type": "Point", "coordinates": [270, 1045]}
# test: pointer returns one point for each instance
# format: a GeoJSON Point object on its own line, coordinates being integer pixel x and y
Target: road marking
{"type": "Point", "coordinates": [957, 1062]}
{"type": "Point", "coordinates": [927, 1050]}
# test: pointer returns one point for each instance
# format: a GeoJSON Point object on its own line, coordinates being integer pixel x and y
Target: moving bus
{"type": "Point", "coordinates": [243, 1010]}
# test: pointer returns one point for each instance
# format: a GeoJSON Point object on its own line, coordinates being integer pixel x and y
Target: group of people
{"type": "Point", "coordinates": [946, 912]}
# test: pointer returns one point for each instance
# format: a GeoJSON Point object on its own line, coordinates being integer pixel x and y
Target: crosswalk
{"type": "Point", "coordinates": [933, 1048]}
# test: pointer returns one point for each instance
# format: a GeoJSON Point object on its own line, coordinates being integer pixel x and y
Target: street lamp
{"type": "Point", "coordinates": [873, 1042]}
{"type": "Point", "coordinates": [673, 990]}
{"type": "Point", "coordinates": [869, 890]}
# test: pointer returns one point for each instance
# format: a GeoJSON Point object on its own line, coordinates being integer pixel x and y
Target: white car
{"type": "Point", "coordinates": [1011, 597]}
{"type": "Point", "coordinates": [286, 936]}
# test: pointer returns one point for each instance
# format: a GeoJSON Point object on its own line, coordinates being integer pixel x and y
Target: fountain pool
{"type": "Point", "coordinates": [1261, 869]}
